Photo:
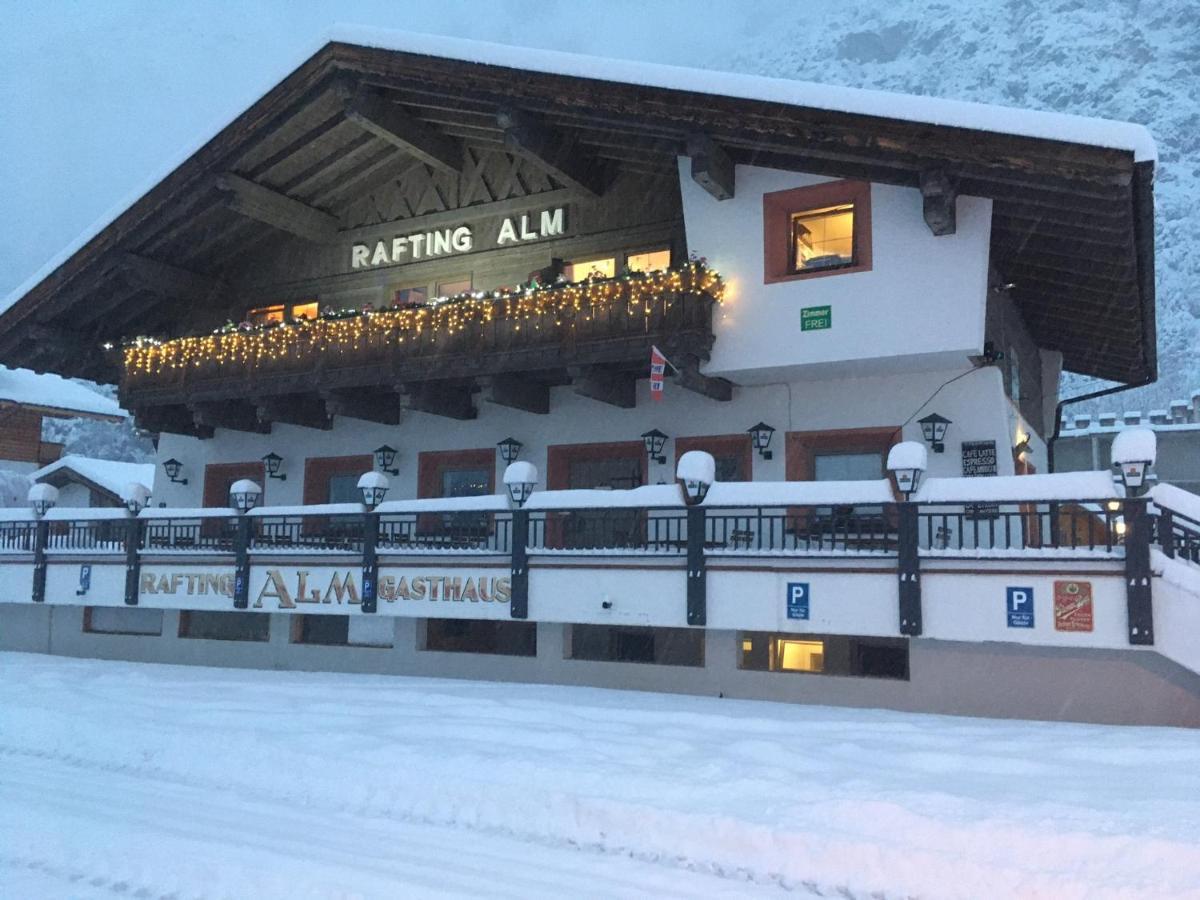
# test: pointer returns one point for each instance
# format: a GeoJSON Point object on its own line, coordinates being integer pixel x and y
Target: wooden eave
{"type": "Point", "coordinates": [1072, 228]}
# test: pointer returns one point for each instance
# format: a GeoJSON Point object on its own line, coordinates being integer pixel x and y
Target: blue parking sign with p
{"type": "Point", "coordinates": [1020, 607]}
{"type": "Point", "coordinates": [797, 600]}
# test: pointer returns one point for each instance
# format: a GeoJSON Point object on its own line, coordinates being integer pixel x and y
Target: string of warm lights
{"type": "Point", "coordinates": [557, 305]}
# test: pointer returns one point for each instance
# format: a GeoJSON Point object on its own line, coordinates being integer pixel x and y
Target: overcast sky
{"type": "Point", "coordinates": [96, 97]}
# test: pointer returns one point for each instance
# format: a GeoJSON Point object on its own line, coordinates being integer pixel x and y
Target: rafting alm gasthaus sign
{"type": "Point", "coordinates": [436, 243]}
{"type": "Point", "coordinates": [479, 593]}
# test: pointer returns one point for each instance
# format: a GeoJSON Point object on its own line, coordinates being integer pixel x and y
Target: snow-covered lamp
{"type": "Point", "coordinates": [907, 461]}
{"type": "Point", "coordinates": [695, 473]}
{"type": "Point", "coordinates": [42, 498]}
{"type": "Point", "coordinates": [136, 497]}
{"type": "Point", "coordinates": [374, 485]}
{"type": "Point", "coordinates": [519, 478]}
{"type": "Point", "coordinates": [244, 495]}
{"type": "Point", "coordinates": [1134, 451]}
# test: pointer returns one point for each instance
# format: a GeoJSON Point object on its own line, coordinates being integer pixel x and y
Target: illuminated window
{"type": "Point", "coordinates": [823, 654]}
{"type": "Point", "coordinates": [793, 655]}
{"type": "Point", "coordinates": [823, 238]}
{"type": "Point", "coordinates": [453, 288]}
{"type": "Point", "coordinates": [305, 310]}
{"type": "Point", "coordinates": [411, 296]}
{"type": "Point", "coordinates": [265, 314]}
{"type": "Point", "coordinates": [649, 262]}
{"type": "Point", "coordinates": [591, 268]}
{"type": "Point", "coordinates": [821, 229]}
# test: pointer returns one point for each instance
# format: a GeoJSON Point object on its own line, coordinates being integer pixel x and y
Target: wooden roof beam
{"type": "Point", "coordinates": [606, 385]}
{"type": "Point", "coordinates": [382, 406]}
{"type": "Point", "coordinates": [939, 200]}
{"type": "Point", "coordinates": [372, 111]}
{"type": "Point", "coordinates": [167, 280]}
{"type": "Point", "coordinates": [517, 392]}
{"type": "Point", "coordinates": [235, 415]}
{"type": "Point", "coordinates": [561, 156]}
{"type": "Point", "coordinates": [712, 168]}
{"type": "Point", "coordinates": [439, 399]}
{"type": "Point", "coordinates": [277, 210]}
{"type": "Point", "coordinates": [305, 411]}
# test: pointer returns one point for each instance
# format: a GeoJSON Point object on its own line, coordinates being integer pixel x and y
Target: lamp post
{"type": "Point", "coordinates": [655, 440]}
{"type": "Point", "coordinates": [384, 457]}
{"type": "Point", "coordinates": [510, 449]}
{"type": "Point", "coordinates": [136, 497]}
{"type": "Point", "coordinates": [760, 436]}
{"type": "Point", "coordinates": [273, 462]}
{"type": "Point", "coordinates": [695, 474]}
{"type": "Point", "coordinates": [42, 498]}
{"type": "Point", "coordinates": [244, 495]}
{"type": "Point", "coordinates": [933, 429]}
{"type": "Point", "coordinates": [907, 461]}
{"type": "Point", "coordinates": [519, 479]}
{"type": "Point", "coordinates": [374, 486]}
{"type": "Point", "coordinates": [173, 467]}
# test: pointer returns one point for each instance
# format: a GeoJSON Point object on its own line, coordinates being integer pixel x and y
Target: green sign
{"type": "Point", "coordinates": [815, 318]}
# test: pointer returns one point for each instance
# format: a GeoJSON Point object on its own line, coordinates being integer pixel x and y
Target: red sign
{"type": "Point", "coordinates": [1072, 606]}
{"type": "Point", "coordinates": [658, 368]}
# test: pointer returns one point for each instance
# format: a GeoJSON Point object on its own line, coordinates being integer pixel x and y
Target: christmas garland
{"type": "Point", "coordinates": [339, 331]}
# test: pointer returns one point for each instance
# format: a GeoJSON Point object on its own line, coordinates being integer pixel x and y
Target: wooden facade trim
{"type": "Point", "coordinates": [560, 456]}
{"type": "Point", "coordinates": [780, 206]}
{"type": "Point", "coordinates": [432, 464]}
{"type": "Point", "coordinates": [319, 469]}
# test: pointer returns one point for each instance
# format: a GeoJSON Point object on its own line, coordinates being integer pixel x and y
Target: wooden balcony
{"type": "Point", "coordinates": [511, 345]}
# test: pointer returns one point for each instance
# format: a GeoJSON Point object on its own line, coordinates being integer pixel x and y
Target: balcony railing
{"type": "Point", "coordinates": [601, 321]}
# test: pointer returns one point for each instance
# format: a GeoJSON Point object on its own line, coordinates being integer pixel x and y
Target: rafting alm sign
{"type": "Point", "coordinates": [442, 242]}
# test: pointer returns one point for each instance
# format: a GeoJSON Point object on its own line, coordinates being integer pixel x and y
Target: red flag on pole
{"type": "Point", "coordinates": [658, 368]}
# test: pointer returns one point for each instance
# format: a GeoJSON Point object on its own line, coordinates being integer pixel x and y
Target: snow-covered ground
{"type": "Point", "coordinates": [118, 779]}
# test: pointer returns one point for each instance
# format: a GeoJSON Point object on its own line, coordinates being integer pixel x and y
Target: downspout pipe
{"type": "Point", "coordinates": [1058, 410]}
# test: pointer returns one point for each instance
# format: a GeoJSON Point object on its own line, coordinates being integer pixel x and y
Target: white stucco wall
{"type": "Point", "coordinates": [975, 403]}
{"type": "Point", "coordinates": [921, 305]}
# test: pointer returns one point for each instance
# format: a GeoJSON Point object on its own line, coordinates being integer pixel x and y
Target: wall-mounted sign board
{"type": "Point", "coordinates": [979, 461]}
{"type": "Point", "coordinates": [1019, 604]}
{"type": "Point", "coordinates": [816, 318]}
{"type": "Point", "coordinates": [1073, 609]}
{"type": "Point", "coordinates": [797, 600]}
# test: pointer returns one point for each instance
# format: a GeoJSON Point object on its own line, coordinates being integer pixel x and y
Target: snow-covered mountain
{"type": "Point", "coordinates": [1120, 59]}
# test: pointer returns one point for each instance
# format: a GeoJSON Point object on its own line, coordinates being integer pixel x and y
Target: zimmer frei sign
{"type": "Point", "coordinates": [286, 589]}
{"type": "Point", "coordinates": [422, 245]}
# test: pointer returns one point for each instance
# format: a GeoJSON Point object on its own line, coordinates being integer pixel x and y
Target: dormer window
{"type": "Point", "coordinates": [823, 229]}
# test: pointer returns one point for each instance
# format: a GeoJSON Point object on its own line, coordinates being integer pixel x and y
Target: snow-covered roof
{"type": "Point", "coordinates": [835, 98]}
{"type": "Point", "coordinates": [112, 475]}
{"type": "Point", "coordinates": [55, 394]}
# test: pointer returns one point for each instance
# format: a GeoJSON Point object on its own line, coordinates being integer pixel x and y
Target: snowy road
{"type": "Point", "coordinates": [105, 832]}
{"type": "Point", "coordinates": [162, 781]}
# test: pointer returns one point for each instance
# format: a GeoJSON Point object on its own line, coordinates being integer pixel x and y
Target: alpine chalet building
{"type": "Point", "coordinates": [426, 259]}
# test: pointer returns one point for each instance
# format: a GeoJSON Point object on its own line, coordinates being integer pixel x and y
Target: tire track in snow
{"type": "Point", "coordinates": [378, 851]}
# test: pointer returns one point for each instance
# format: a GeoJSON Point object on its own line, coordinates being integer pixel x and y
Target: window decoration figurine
{"type": "Point", "coordinates": [760, 436]}
{"type": "Point", "coordinates": [510, 449]}
{"type": "Point", "coordinates": [273, 461]}
{"type": "Point", "coordinates": [655, 440]}
{"type": "Point", "coordinates": [384, 457]}
{"type": "Point", "coordinates": [173, 467]}
{"type": "Point", "coordinates": [933, 429]}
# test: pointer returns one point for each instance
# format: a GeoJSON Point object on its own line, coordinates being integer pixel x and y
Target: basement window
{"type": "Point", "coordinates": [491, 636]}
{"type": "Point", "coordinates": [122, 620]}
{"type": "Point", "coordinates": [861, 657]}
{"type": "Point", "coordinates": [636, 644]}
{"type": "Point", "coordinates": [224, 626]}
{"type": "Point", "coordinates": [822, 229]}
{"type": "Point", "coordinates": [343, 631]}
